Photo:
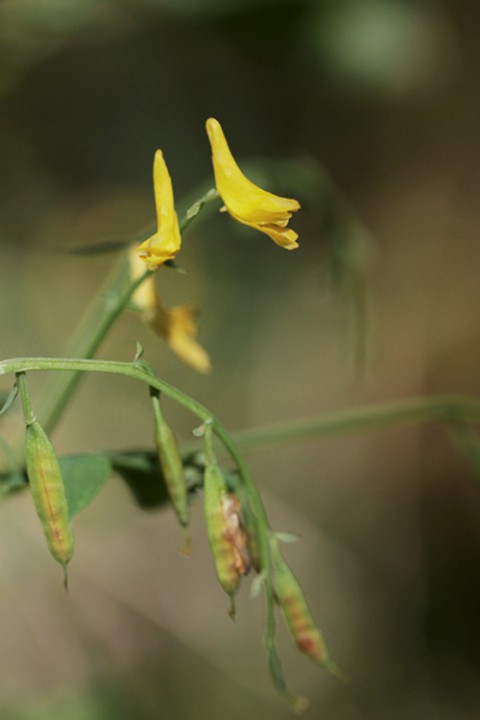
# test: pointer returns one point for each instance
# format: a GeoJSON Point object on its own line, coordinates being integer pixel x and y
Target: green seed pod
{"type": "Point", "coordinates": [172, 469]}
{"type": "Point", "coordinates": [225, 555]}
{"type": "Point", "coordinates": [298, 617]}
{"type": "Point", "coordinates": [48, 493]}
{"type": "Point", "coordinates": [250, 525]}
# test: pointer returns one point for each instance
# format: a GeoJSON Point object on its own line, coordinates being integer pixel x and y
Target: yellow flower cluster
{"type": "Point", "coordinates": [243, 200]}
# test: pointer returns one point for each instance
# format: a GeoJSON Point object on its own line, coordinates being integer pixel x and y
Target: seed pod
{"type": "Point", "coordinates": [241, 507]}
{"type": "Point", "coordinates": [250, 526]}
{"type": "Point", "coordinates": [225, 554]}
{"type": "Point", "coordinates": [48, 493]}
{"type": "Point", "coordinates": [298, 617]}
{"type": "Point", "coordinates": [235, 532]}
{"type": "Point", "coordinates": [172, 469]}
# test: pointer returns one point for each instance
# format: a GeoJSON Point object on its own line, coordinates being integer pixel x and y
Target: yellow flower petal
{"type": "Point", "coordinates": [245, 201]}
{"type": "Point", "coordinates": [179, 328]}
{"type": "Point", "coordinates": [176, 325]}
{"type": "Point", "coordinates": [165, 243]}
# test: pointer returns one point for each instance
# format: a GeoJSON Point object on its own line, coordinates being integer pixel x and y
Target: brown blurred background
{"type": "Point", "coordinates": [367, 112]}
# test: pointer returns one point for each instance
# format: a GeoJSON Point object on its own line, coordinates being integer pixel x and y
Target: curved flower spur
{"type": "Point", "coordinates": [245, 201]}
{"type": "Point", "coordinates": [165, 243]}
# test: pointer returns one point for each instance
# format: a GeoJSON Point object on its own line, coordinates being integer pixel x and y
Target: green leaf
{"type": "Point", "coordinates": [8, 401]}
{"type": "Point", "coordinates": [12, 482]}
{"type": "Point", "coordinates": [84, 476]}
{"type": "Point", "coordinates": [141, 473]}
{"type": "Point", "coordinates": [287, 537]}
{"type": "Point", "coordinates": [257, 585]}
{"type": "Point", "coordinates": [99, 248]}
{"type": "Point", "coordinates": [140, 470]}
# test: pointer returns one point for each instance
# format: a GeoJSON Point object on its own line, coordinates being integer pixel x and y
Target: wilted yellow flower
{"type": "Point", "coordinates": [165, 244]}
{"type": "Point", "coordinates": [177, 325]}
{"type": "Point", "coordinates": [145, 296]}
{"type": "Point", "coordinates": [246, 202]}
{"type": "Point", "coordinates": [179, 328]}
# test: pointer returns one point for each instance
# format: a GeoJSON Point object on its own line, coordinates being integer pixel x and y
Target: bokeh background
{"type": "Point", "coordinates": [367, 111]}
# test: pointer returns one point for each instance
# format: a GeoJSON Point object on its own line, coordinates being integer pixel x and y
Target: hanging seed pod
{"type": "Point", "coordinates": [243, 515]}
{"type": "Point", "coordinates": [298, 617]}
{"type": "Point", "coordinates": [48, 493]}
{"type": "Point", "coordinates": [229, 563]}
{"type": "Point", "coordinates": [235, 532]}
{"type": "Point", "coordinates": [250, 526]}
{"type": "Point", "coordinates": [172, 468]}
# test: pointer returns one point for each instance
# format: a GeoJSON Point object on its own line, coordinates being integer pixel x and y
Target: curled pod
{"type": "Point", "coordinates": [225, 555]}
{"type": "Point", "coordinates": [48, 492]}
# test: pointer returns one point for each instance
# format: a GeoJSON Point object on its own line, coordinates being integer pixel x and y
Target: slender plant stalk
{"type": "Point", "coordinates": [448, 408]}
{"type": "Point", "coordinates": [99, 319]}
{"type": "Point", "coordinates": [28, 413]}
{"type": "Point", "coordinates": [452, 409]}
{"type": "Point", "coordinates": [139, 372]}
{"type": "Point", "coordinates": [95, 325]}
{"type": "Point", "coordinates": [143, 373]}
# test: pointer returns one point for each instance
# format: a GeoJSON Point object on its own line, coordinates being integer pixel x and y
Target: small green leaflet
{"type": "Point", "coordinates": [8, 401]}
{"type": "Point", "coordinates": [142, 474]}
{"type": "Point", "coordinates": [83, 477]}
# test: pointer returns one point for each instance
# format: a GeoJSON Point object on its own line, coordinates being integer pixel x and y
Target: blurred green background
{"type": "Point", "coordinates": [376, 98]}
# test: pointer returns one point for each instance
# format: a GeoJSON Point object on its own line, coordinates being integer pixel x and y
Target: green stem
{"type": "Point", "coordinates": [448, 408]}
{"type": "Point", "coordinates": [139, 372]}
{"type": "Point", "coordinates": [28, 413]}
{"type": "Point", "coordinates": [97, 322]}
{"type": "Point", "coordinates": [143, 374]}
{"type": "Point", "coordinates": [208, 441]}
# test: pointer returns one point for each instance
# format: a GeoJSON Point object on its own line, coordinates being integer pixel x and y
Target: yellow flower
{"type": "Point", "coordinates": [165, 244]}
{"type": "Point", "coordinates": [177, 325]}
{"type": "Point", "coordinates": [246, 202]}
{"type": "Point", "coordinates": [179, 328]}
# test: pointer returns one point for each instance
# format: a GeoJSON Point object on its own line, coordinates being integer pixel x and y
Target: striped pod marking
{"type": "Point", "coordinates": [298, 617]}
{"type": "Point", "coordinates": [48, 492]}
{"type": "Point", "coordinates": [225, 556]}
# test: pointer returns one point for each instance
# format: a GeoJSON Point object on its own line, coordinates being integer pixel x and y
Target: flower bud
{"type": "Point", "coordinates": [48, 492]}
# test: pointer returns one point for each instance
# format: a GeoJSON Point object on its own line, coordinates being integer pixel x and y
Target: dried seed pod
{"type": "Point", "coordinates": [48, 493]}
{"type": "Point", "coordinates": [298, 617]}
{"type": "Point", "coordinates": [235, 532]}
{"type": "Point", "coordinates": [172, 469]}
{"type": "Point", "coordinates": [245, 517]}
{"type": "Point", "coordinates": [226, 556]}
